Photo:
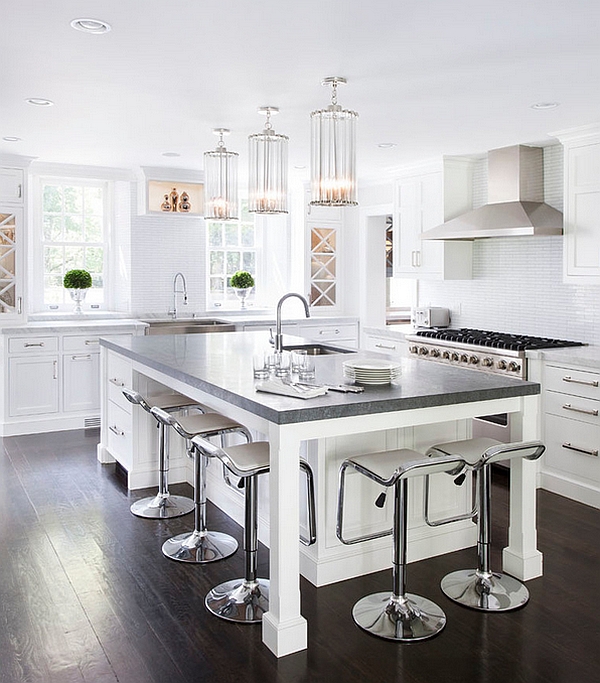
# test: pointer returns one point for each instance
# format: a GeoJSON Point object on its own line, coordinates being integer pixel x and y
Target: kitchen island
{"type": "Point", "coordinates": [216, 370]}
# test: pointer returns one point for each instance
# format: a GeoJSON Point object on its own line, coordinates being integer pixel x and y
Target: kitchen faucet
{"type": "Point", "coordinates": [173, 311]}
{"type": "Point", "coordinates": [278, 335]}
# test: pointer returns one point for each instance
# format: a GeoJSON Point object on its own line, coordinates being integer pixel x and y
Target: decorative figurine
{"type": "Point", "coordinates": [184, 202]}
{"type": "Point", "coordinates": [166, 205]}
{"type": "Point", "coordinates": [174, 198]}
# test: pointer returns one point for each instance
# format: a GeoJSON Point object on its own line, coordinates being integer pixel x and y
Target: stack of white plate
{"type": "Point", "coordinates": [371, 371]}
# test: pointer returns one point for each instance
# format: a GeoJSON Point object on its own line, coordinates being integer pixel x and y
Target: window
{"type": "Point", "coordinates": [73, 235]}
{"type": "Point", "coordinates": [232, 246]}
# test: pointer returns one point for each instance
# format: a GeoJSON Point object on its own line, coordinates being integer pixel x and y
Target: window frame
{"type": "Point", "coordinates": [36, 302]}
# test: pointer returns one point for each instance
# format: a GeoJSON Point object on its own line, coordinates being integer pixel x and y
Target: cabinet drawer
{"type": "Point", "coordinates": [572, 447]}
{"type": "Point", "coordinates": [384, 345]}
{"type": "Point", "coordinates": [32, 344]}
{"type": "Point", "coordinates": [573, 407]}
{"type": "Point", "coordinates": [346, 331]}
{"type": "Point", "coordinates": [574, 382]}
{"type": "Point", "coordinates": [119, 428]}
{"type": "Point", "coordinates": [84, 343]}
{"type": "Point", "coordinates": [119, 375]}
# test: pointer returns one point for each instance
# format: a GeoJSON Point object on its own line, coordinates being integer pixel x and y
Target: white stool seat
{"type": "Point", "coordinates": [387, 466]}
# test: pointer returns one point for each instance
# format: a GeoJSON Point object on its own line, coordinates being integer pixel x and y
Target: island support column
{"type": "Point", "coordinates": [521, 558]}
{"type": "Point", "coordinates": [284, 628]}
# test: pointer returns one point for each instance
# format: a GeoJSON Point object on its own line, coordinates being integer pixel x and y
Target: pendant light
{"type": "Point", "coordinates": [333, 154]}
{"type": "Point", "coordinates": [268, 158]}
{"type": "Point", "coordinates": [220, 181]}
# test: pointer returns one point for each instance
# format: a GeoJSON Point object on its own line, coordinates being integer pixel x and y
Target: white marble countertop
{"type": "Point", "coordinates": [581, 356]}
{"type": "Point", "coordinates": [60, 326]}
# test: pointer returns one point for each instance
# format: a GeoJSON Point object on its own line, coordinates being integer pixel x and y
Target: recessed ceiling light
{"type": "Point", "coordinates": [11, 138]}
{"type": "Point", "coordinates": [96, 26]}
{"type": "Point", "coordinates": [39, 102]}
{"type": "Point", "coordinates": [545, 105]}
{"type": "Point", "coordinates": [171, 154]}
{"type": "Point", "coordinates": [386, 145]}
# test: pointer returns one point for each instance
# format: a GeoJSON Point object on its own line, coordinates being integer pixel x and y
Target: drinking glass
{"type": "Point", "coordinates": [259, 363]}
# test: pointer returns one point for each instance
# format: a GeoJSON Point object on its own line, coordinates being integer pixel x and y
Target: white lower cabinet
{"type": "Point", "coordinates": [384, 345]}
{"type": "Point", "coordinates": [81, 382]}
{"type": "Point", "coordinates": [571, 464]}
{"type": "Point", "coordinates": [33, 385]}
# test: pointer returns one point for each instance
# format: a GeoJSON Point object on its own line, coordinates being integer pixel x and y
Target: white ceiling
{"type": "Point", "coordinates": [432, 76]}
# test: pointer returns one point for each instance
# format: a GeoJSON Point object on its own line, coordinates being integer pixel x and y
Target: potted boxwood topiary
{"type": "Point", "coordinates": [242, 282]}
{"type": "Point", "coordinates": [77, 281]}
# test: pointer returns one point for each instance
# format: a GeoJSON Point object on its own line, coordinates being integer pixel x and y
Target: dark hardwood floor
{"type": "Point", "coordinates": [86, 595]}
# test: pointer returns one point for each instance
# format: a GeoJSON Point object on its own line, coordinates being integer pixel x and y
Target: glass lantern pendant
{"type": "Point", "coordinates": [333, 152]}
{"type": "Point", "coordinates": [268, 158]}
{"type": "Point", "coordinates": [220, 182]}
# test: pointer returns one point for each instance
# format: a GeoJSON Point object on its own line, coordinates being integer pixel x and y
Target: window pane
{"type": "Point", "coordinates": [74, 258]}
{"type": "Point", "coordinates": [53, 260]}
{"type": "Point", "coordinates": [249, 261]}
{"type": "Point", "coordinates": [94, 260]}
{"type": "Point", "coordinates": [93, 229]}
{"type": "Point", "coordinates": [233, 262]}
{"type": "Point", "coordinates": [52, 198]}
{"type": "Point", "coordinates": [217, 285]}
{"type": "Point", "coordinates": [215, 235]}
{"type": "Point", "coordinates": [217, 262]}
{"type": "Point", "coordinates": [73, 197]}
{"type": "Point", "coordinates": [231, 234]}
{"type": "Point", "coordinates": [92, 197]}
{"type": "Point", "coordinates": [53, 289]}
{"type": "Point", "coordinates": [73, 229]}
{"type": "Point", "coordinates": [53, 228]}
{"type": "Point", "coordinates": [247, 236]}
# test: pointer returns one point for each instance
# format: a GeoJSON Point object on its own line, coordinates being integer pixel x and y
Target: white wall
{"type": "Point", "coordinates": [517, 282]}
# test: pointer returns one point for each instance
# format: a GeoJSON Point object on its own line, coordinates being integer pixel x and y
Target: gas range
{"type": "Point", "coordinates": [496, 352]}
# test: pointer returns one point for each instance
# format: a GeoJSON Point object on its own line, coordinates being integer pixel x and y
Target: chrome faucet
{"type": "Point", "coordinates": [278, 335]}
{"type": "Point", "coordinates": [173, 311]}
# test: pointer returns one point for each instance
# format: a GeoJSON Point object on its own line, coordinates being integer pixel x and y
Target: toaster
{"type": "Point", "coordinates": [430, 316]}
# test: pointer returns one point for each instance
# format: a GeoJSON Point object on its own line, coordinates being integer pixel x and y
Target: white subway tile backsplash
{"type": "Point", "coordinates": [517, 283]}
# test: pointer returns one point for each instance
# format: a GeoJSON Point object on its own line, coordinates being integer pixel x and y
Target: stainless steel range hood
{"type": "Point", "coordinates": [515, 201]}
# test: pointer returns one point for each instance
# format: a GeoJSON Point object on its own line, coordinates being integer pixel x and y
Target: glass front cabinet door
{"type": "Point", "coordinates": [11, 300]}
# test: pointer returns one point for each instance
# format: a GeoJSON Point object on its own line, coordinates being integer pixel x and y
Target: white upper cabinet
{"type": "Point", "coordinates": [11, 186]}
{"type": "Point", "coordinates": [582, 205]}
{"type": "Point", "coordinates": [424, 198]}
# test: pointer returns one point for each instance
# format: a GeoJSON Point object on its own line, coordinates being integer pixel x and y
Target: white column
{"type": "Point", "coordinates": [284, 628]}
{"type": "Point", "coordinates": [521, 558]}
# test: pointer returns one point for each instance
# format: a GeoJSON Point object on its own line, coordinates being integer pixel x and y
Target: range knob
{"type": "Point", "coordinates": [423, 350]}
{"type": "Point", "coordinates": [487, 362]}
{"type": "Point", "coordinates": [413, 349]}
{"type": "Point", "coordinates": [514, 367]}
{"type": "Point", "coordinates": [464, 358]}
{"type": "Point", "coordinates": [434, 353]}
{"type": "Point", "coordinates": [501, 365]}
{"type": "Point", "coordinates": [474, 360]}
{"type": "Point", "coordinates": [455, 356]}
{"type": "Point", "coordinates": [446, 355]}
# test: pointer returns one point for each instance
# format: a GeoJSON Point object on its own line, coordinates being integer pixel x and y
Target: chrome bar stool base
{"type": "Point", "coordinates": [239, 600]}
{"type": "Point", "coordinates": [407, 618]}
{"type": "Point", "coordinates": [488, 592]}
{"type": "Point", "coordinates": [162, 506]}
{"type": "Point", "coordinates": [198, 547]}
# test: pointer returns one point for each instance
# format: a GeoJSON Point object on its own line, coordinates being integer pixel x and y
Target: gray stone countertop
{"type": "Point", "coordinates": [221, 365]}
{"type": "Point", "coordinates": [581, 356]}
{"type": "Point", "coordinates": [60, 326]}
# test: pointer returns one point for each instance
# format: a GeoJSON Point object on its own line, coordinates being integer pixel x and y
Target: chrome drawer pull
{"type": "Point", "coordinates": [86, 356]}
{"type": "Point", "coordinates": [29, 344]}
{"type": "Point", "coordinates": [116, 430]}
{"type": "Point", "coordinates": [89, 342]}
{"type": "Point", "coordinates": [580, 450]}
{"type": "Point", "coordinates": [116, 381]}
{"type": "Point", "coordinates": [580, 381]}
{"type": "Point", "coordinates": [383, 346]}
{"type": "Point", "coordinates": [568, 406]}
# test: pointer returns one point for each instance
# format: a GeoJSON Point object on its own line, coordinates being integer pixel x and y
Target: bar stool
{"type": "Point", "coordinates": [246, 600]}
{"type": "Point", "coordinates": [200, 545]}
{"type": "Point", "coordinates": [481, 588]}
{"type": "Point", "coordinates": [398, 616]}
{"type": "Point", "coordinates": [163, 505]}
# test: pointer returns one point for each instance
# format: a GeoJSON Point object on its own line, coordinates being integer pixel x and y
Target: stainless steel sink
{"type": "Point", "coordinates": [317, 349]}
{"type": "Point", "coordinates": [188, 326]}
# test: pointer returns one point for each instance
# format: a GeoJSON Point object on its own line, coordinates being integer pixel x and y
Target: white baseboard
{"type": "Point", "coordinates": [40, 425]}
{"type": "Point", "coordinates": [589, 494]}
